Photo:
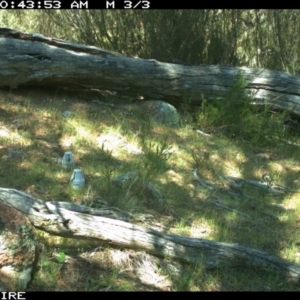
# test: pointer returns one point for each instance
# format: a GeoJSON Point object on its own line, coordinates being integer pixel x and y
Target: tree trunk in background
{"type": "Point", "coordinates": [32, 59]}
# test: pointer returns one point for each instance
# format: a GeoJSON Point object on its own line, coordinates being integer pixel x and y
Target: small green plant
{"type": "Point", "coordinates": [27, 103]}
{"type": "Point", "coordinates": [50, 271]}
{"type": "Point", "coordinates": [236, 116]}
{"type": "Point", "coordinates": [207, 115]}
{"type": "Point", "coordinates": [185, 110]}
{"type": "Point", "coordinates": [155, 158]}
{"type": "Point", "coordinates": [223, 112]}
{"type": "Point", "coordinates": [182, 228]}
{"type": "Point", "coordinates": [108, 172]}
{"type": "Point", "coordinates": [105, 154]}
{"type": "Point", "coordinates": [61, 257]}
{"type": "Point", "coordinates": [46, 263]}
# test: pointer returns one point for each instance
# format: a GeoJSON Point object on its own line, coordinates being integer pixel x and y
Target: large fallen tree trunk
{"type": "Point", "coordinates": [32, 59]}
{"type": "Point", "coordinates": [75, 221]}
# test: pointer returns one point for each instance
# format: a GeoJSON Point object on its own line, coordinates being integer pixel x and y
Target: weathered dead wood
{"type": "Point", "coordinates": [32, 59]}
{"type": "Point", "coordinates": [70, 220]}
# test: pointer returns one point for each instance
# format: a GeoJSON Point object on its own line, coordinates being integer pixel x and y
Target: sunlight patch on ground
{"type": "Point", "coordinates": [82, 132]}
{"type": "Point", "coordinates": [200, 232]}
{"type": "Point", "coordinates": [4, 132]}
{"type": "Point", "coordinates": [67, 141]}
{"type": "Point", "coordinates": [292, 202]}
{"type": "Point", "coordinates": [112, 142]}
{"type": "Point", "coordinates": [143, 265]}
{"type": "Point", "coordinates": [13, 137]}
{"type": "Point", "coordinates": [175, 177]}
{"type": "Point", "coordinates": [276, 167]}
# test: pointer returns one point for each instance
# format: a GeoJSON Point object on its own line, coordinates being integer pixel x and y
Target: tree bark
{"type": "Point", "coordinates": [32, 59]}
{"type": "Point", "coordinates": [76, 221]}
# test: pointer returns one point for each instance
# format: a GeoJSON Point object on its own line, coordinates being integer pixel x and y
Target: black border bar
{"type": "Point", "coordinates": [102, 4]}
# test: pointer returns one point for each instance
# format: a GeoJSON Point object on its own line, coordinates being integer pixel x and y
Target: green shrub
{"type": "Point", "coordinates": [236, 116]}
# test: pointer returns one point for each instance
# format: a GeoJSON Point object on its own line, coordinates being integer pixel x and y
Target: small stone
{"type": "Point", "coordinates": [14, 153]}
{"type": "Point", "coordinates": [68, 113]}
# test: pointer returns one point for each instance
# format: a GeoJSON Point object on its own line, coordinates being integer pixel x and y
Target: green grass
{"type": "Point", "coordinates": [107, 143]}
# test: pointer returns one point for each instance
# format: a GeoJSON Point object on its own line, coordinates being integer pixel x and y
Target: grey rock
{"type": "Point", "coordinates": [122, 180]}
{"type": "Point", "coordinates": [161, 112]}
{"type": "Point", "coordinates": [68, 113]}
{"type": "Point", "coordinates": [15, 153]}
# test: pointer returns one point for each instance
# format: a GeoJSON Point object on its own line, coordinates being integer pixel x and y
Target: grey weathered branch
{"type": "Point", "coordinates": [32, 59]}
{"type": "Point", "coordinates": [74, 221]}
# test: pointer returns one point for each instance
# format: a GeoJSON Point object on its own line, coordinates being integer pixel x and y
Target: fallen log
{"type": "Point", "coordinates": [32, 59]}
{"type": "Point", "coordinates": [75, 221]}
